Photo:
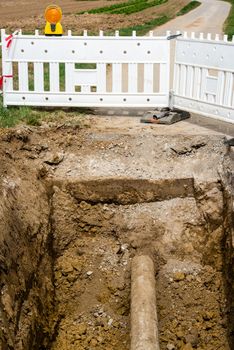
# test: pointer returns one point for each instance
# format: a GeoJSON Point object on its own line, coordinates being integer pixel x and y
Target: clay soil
{"type": "Point", "coordinates": [80, 197]}
{"type": "Point", "coordinates": [28, 15]}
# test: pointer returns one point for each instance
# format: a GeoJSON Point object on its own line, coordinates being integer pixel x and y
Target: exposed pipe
{"type": "Point", "coordinates": [144, 323]}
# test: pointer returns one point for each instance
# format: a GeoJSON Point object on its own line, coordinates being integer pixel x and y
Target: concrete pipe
{"type": "Point", "coordinates": [144, 323]}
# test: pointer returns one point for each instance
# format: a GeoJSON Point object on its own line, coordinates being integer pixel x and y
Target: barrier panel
{"type": "Point", "coordinates": [88, 71]}
{"type": "Point", "coordinates": [203, 76]}
{"type": "Point", "coordinates": [119, 71]}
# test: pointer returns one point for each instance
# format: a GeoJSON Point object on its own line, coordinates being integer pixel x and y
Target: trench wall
{"type": "Point", "coordinates": [26, 263]}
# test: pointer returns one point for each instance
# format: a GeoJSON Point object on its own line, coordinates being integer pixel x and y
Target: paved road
{"type": "Point", "coordinates": [209, 17]}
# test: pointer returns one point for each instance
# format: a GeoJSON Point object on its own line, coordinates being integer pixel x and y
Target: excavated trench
{"type": "Point", "coordinates": [66, 251]}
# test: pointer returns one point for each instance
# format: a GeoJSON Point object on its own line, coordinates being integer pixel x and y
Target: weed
{"type": "Point", "coordinates": [32, 119]}
{"type": "Point", "coordinates": [229, 23]}
{"type": "Point", "coordinates": [12, 116]}
{"type": "Point", "coordinates": [191, 6]}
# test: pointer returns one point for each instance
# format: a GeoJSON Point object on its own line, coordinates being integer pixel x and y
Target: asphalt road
{"type": "Point", "coordinates": [209, 17]}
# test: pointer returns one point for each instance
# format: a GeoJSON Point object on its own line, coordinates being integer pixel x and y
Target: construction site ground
{"type": "Point", "coordinates": [81, 196]}
{"type": "Point", "coordinates": [84, 193]}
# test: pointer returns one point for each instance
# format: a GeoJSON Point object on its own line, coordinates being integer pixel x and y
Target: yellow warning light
{"type": "Point", "coordinates": [53, 15]}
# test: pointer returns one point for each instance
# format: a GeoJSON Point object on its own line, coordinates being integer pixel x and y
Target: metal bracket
{"type": "Point", "coordinates": [173, 36]}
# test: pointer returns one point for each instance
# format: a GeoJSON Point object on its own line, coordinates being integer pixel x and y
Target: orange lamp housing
{"type": "Point", "coordinates": [53, 15]}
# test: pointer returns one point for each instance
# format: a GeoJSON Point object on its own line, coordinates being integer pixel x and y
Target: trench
{"type": "Point", "coordinates": [66, 265]}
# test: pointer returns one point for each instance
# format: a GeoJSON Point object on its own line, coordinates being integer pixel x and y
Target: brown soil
{"type": "Point", "coordinates": [28, 15]}
{"type": "Point", "coordinates": [78, 203]}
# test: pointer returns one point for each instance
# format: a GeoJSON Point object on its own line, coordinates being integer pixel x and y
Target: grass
{"type": "Point", "coordinates": [138, 7]}
{"type": "Point", "coordinates": [127, 8]}
{"type": "Point", "coordinates": [9, 117]}
{"type": "Point", "coordinates": [229, 23]}
{"type": "Point", "coordinates": [191, 6]}
{"type": "Point", "coordinates": [142, 29]}
{"type": "Point", "coordinates": [85, 65]}
{"type": "Point", "coordinates": [12, 116]}
{"type": "Point", "coordinates": [111, 7]}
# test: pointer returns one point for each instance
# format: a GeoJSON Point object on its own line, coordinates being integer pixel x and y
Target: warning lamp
{"type": "Point", "coordinates": [53, 15]}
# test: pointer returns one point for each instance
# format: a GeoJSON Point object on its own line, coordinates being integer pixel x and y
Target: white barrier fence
{"type": "Point", "coordinates": [114, 71]}
{"type": "Point", "coordinates": [86, 70]}
{"type": "Point", "coordinates": [203, 76]}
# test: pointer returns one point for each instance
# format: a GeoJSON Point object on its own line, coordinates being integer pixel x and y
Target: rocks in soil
{"type": "Point", "coordinates": [188, 147]}
{"type": "Point", "coordinates": [82, 328]}
{"type": "Point", "coordinates": [179, 276]}
{"type": "Point", "coordinates": [54, 158]}
{"type": "Point", "coordinates": [184, 236]}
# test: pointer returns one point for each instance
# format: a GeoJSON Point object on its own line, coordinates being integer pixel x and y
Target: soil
{"type": "Point", "coordinates": [28, 15]}
{"type": "Point", "coordinates": [80, 200]}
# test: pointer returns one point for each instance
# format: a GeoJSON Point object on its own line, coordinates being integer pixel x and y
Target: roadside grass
{"type": "Point", "coordinates": [127, 8]}
{"type": "Point", "coordinates": [191, 6]}
{"type": "Point", "coordinates": [229, 23]}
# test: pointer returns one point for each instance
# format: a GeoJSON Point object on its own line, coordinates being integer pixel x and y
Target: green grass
{"type": "Point", "coordinates": [229, 23]}
{"type": "Point", "coordinates": [127, 8]}
{"type": "Point", "coordinates": [142, 29]}
{"type": "Point", "coordinates": [12, 116]}
{"type": "Point", "coordinates": [85, 65]}
{"type": "Point", "coordinates": [138, 7]}
{"type": "Point", "coordinates": [111, 7]}
{"type": "Point", "coordinates": [191, 6]}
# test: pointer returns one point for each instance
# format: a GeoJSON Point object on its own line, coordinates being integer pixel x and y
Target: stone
{"type": "Point", "coordinates": [189, 278]}
{"type": "Point", "coordinates": [100, 339]}
{"type": "Point", "coordinates": [93, 342]}
{"type": "Point", "coordinates": [81, 328]}
{"type": "Point", "coordinates": [180, 334]}
{"type": "Point", "coordinates": [193, 337]}
{"type": "Point", "coordinates": [85, 206]}
{"type": "Point", "coordinates": [7, 304]}
{"type": "Point", "coordinates": [54, 158]}
{"type": "Point", "coordinates": [110, 322]}
{"type": "Point", "coordinates": [89, 273]}
{"type": "Point", "coordinates": [179, 276]}
{"type": "Point", "coordinates": [208, 315]}
{"type": "Point", "coordinates": [22, 134]}
{"type": "Point", "coordinates": [42, 171]}
{"type": "Point", "coordinates": [67, 268]}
